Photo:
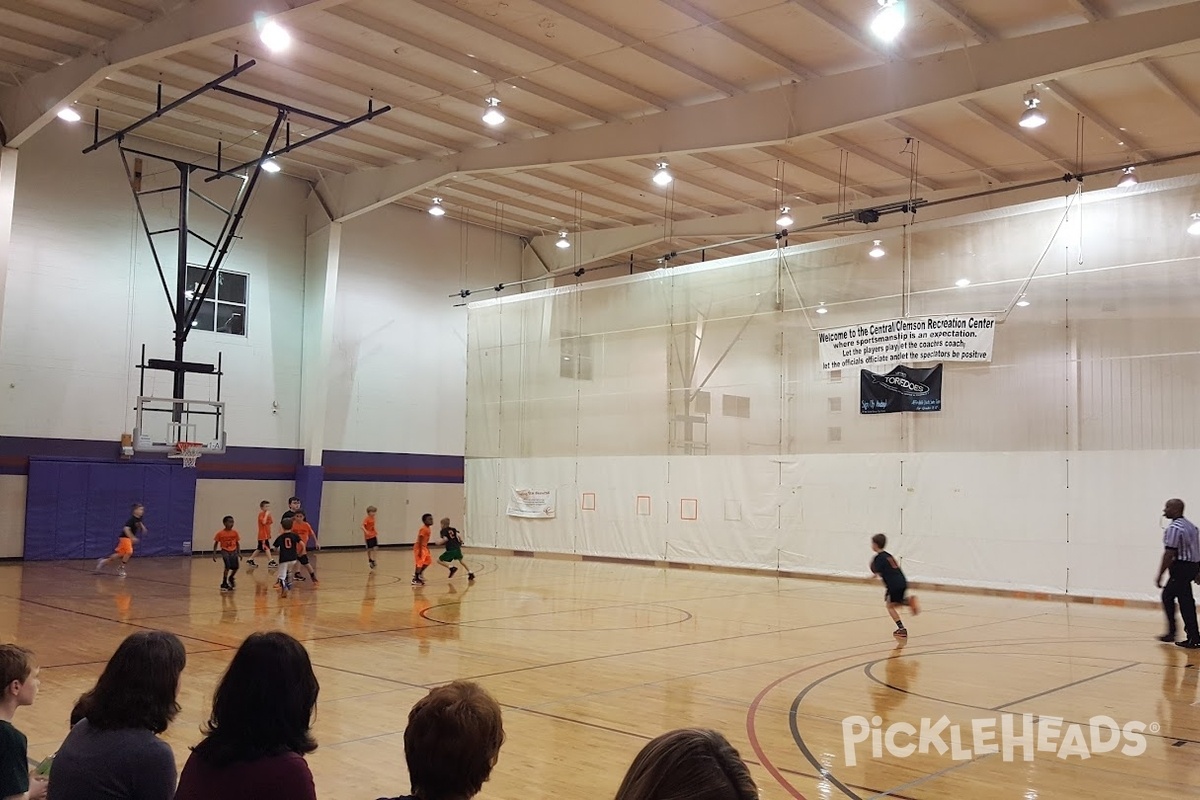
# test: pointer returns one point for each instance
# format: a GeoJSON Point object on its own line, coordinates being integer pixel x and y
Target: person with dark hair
{"type": "Point", "coordinates": [259, 730]}
{"type": "Point", "coordinates": [229, 543]}
{"type": "Point", "coordinates": [895, 584]}
{"type": "Point", "coordinates": [135, 526]}
{"type": "Point", "coordinates": [452, 742]}
{"type": "Point", "coordinates": [421, 557]}
{"type": "Point", "coordinates": [19, 684]}
{"type": "Point", "coordinates": [1181, 562]}
{"type": "Point", "coordinates": [688, 764]}
{"type": "Point", "coordinates": [287, 544]}
{"type": "Point", "coordinates": [112, 751]}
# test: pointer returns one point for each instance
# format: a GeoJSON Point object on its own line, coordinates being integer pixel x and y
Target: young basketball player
{"type": "Point", "coordinates": [308, 538]}
{"type": "Point", "coordinates": [134, 527]}
{"type": "Point", "coordinates": [370, 537]}
{"type": "Point", "coordinates": [421, 557]}
{"type": "Point", "coordinates": [889, 572]}
{"type": "Point", "coordinates": [293, 506]}
{"type": "Point", "coordinates": [230, 545]}
{"type": "Point", "coordinates": [18, 687]}
{"type": "Point", "coordinates": [452, 541]}
{"type": "Point", "coordinates": [287, 544]}
{"type": "Point", "coordinates": [265, 521]}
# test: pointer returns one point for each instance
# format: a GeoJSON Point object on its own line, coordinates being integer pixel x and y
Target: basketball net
{"type": "Point", "coordinates": [188, 452]}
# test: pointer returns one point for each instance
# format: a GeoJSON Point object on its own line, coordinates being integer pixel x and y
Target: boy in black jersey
{"type": "Point", "coordinates": [889, 572]}
{"type": "Point", "coordinates": [288, 546]}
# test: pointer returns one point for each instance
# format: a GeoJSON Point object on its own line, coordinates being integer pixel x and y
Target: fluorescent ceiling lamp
{"type": "Point", "coordinates": [275, 36]}
{"type": "Point", "coordinates": [1022, 303]}
{"type": "Point", "coordinates": [962, 283]}
{"type": "Point", "coordinates": [1194, 228]}
{"type": "Point", "coordinates": [271, 165]}
{"type": "Point", "coordinates": [877, 251]}
{"type": "Point", "coordinates": [1128, 178]}
{"type": "Point", "coordinates": [562, 243]}
{"type": "Point", "coordinates": [821, 309]}
{"type": "Point", "coordinates": [1033, 116]}
{"type": "Point", "coordinates": [662, 175]}
{"type": "Point", "coordinates": [69, 115]}
{"type": "Point", "coordinates": [436, 209]}
{"type": "Point", "coordinates": [785, 218]}
{"type": "Point", "coordinates": [889, 20]}
{"type": "Point", "coordinates": [491, 113]}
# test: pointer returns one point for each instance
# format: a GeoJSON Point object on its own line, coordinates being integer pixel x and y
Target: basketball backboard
{"type": "Point", "coordinates": [162, 423]}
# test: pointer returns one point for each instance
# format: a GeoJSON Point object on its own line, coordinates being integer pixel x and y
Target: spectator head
{"type": "Point", "coordinates": [264, 704]}
{"type": "Point", "coordinates": [139, 685]}
{"type": "Point", "coordinates": [689, 764]}
{"type": "Point", "coordinates": [18, 675]}
{"type": "Point", "coordinates": [452, 741]}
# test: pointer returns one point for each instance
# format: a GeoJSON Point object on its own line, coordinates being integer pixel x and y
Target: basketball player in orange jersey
{"type": "Point", "coordinates": [421, 557]}
{"type": "Point", "coordinates": [370, 537]}
{"type": "Point", "coordinates": [230, 545]}
{"type": "Point", "coordinates": [308, 538]}
{"type": "Point", "coordinates": [265, 521]}
{"type": "Point", "coordinates": [134, 527]}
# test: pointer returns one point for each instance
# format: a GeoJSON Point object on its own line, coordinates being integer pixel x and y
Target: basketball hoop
{"type": "Point", "coordinates": [188, 452]}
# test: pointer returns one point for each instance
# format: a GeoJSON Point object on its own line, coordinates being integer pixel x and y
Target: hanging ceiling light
{"type": "Point", "coordinates": [662, 176]}
{"type": "Point", "coordinates": [1128, 178]}
{"type": "Point", "coordinates": [436, 209]}
{"type": "Point", "coordinates": [69, 114]}
{"type": "Point", "coordinates": [563, 243]}
{"type": "Point", "coordinates": [274, 36]}
{"type": "Point", "coordinates": [889, 20]}
{"type": "Point", "coordinates": [785, 217]}
{"type": "Point", "coordinates": [877, 251]}
{"type": "Point", "coordinates": [491, 112]}
{"type": "Point", "coordinates": [271, 165]}
{"type": "Point", "coordinates": [1194, 228]}
{"type": "Point", "coordinates": [1033, 116]}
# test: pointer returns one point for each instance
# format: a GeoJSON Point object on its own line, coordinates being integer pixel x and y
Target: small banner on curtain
{"type": "Point", "coordinates": [902, 389]}
{"type": "Point", "coordinates": [899, 340]}
{"type": "Point", "coordinates": [531, 503]}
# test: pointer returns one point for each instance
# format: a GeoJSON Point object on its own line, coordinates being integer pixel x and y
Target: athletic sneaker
{"type": "Point", "coordinates": [251, 562]}
{"type": "Point", "coordinates": [272, 564]}
{"type": "Point", "coordinates": [452, 571]}
{"type": "Point", "coordinates": [418, 582]}
{"type": "Point", "coordinates": [121, 572]}
{"type": "Point", "coordinates": [1167, 637]}
{"type": "Point", "coordinates": [372, 565]}
{"type": "Point", "coordinates": [1189, 645]}
{"type": "Point", "coordinates": [913, 605]}
{"type": "Point", "coordinates": [224, 586]}
{"type": "Point", "coordinates": [470, 576]}
{"type": "Point", "coordinates": [900, 633]}
{"type": "Point", "coordinates": [232, 582]}
{"type": "Point", "coordinates": [301, 578]}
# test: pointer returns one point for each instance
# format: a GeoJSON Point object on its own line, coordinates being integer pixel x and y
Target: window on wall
{"type": "Point", "coordinates": [576, 357]}
{"type": "Point", "coordinates": [225, 307]}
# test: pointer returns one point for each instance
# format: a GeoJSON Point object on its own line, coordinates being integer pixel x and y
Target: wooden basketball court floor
{"type": "Point", "coordinates": [591, 660]}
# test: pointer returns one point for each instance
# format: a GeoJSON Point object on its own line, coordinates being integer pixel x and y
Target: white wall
{"type": "Point", "coordinates": [83, 295]}
{"type": "Point", "coordinates": [400, 344]}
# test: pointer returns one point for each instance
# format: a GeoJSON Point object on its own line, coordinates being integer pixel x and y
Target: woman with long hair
{"type": "Point", "coordinates": [259, 730]}
{"type": "Point", "coordinates": [688, 764]}
{"type": "Point", "coordinates": [113, 751]}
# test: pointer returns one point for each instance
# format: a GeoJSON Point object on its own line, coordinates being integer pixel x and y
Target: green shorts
{"type": "Point", "coordinates": [451, 555]}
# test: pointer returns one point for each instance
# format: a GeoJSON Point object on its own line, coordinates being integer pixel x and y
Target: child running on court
{"type": "Point", "coordinates": [134, 527]}
{"type": "Point", "coordinates": [421, 557]}
{"type": "Point", "coordinates": [370, 537]}
{"type": "Point", "coordinates": [19, 683]}
{"type": "Point", "coordinates": [265, 521]}
{"type": "Point", "coordinates": [287, 544]}
{"type": "Point", "coordinates": [229, 543]}
{"type": "Point", "coordinates": [889, 572]}
{"type": "Point", "coordinates": [452, 541]}
{"type": "Point", "coordinates": [308, 538]}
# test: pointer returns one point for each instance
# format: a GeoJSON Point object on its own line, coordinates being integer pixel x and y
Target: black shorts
{"type": "Point", "coordinates": [231, 560]}
{"type": "Point", "coordinates": [895, 592]}
{"type": "Point", "coordinates": [264, 546]}
{"type": "Point", "coordinates": [372, 542]}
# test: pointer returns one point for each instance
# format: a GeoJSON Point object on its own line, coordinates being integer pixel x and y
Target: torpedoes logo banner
{"type": "Point", "coordinates": [902, 389]}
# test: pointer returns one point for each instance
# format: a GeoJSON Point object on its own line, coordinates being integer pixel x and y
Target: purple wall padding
{"type": "Point", "coordinates": [76, 508]}
{"type": "Point", "coordinates": [309, 481]}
